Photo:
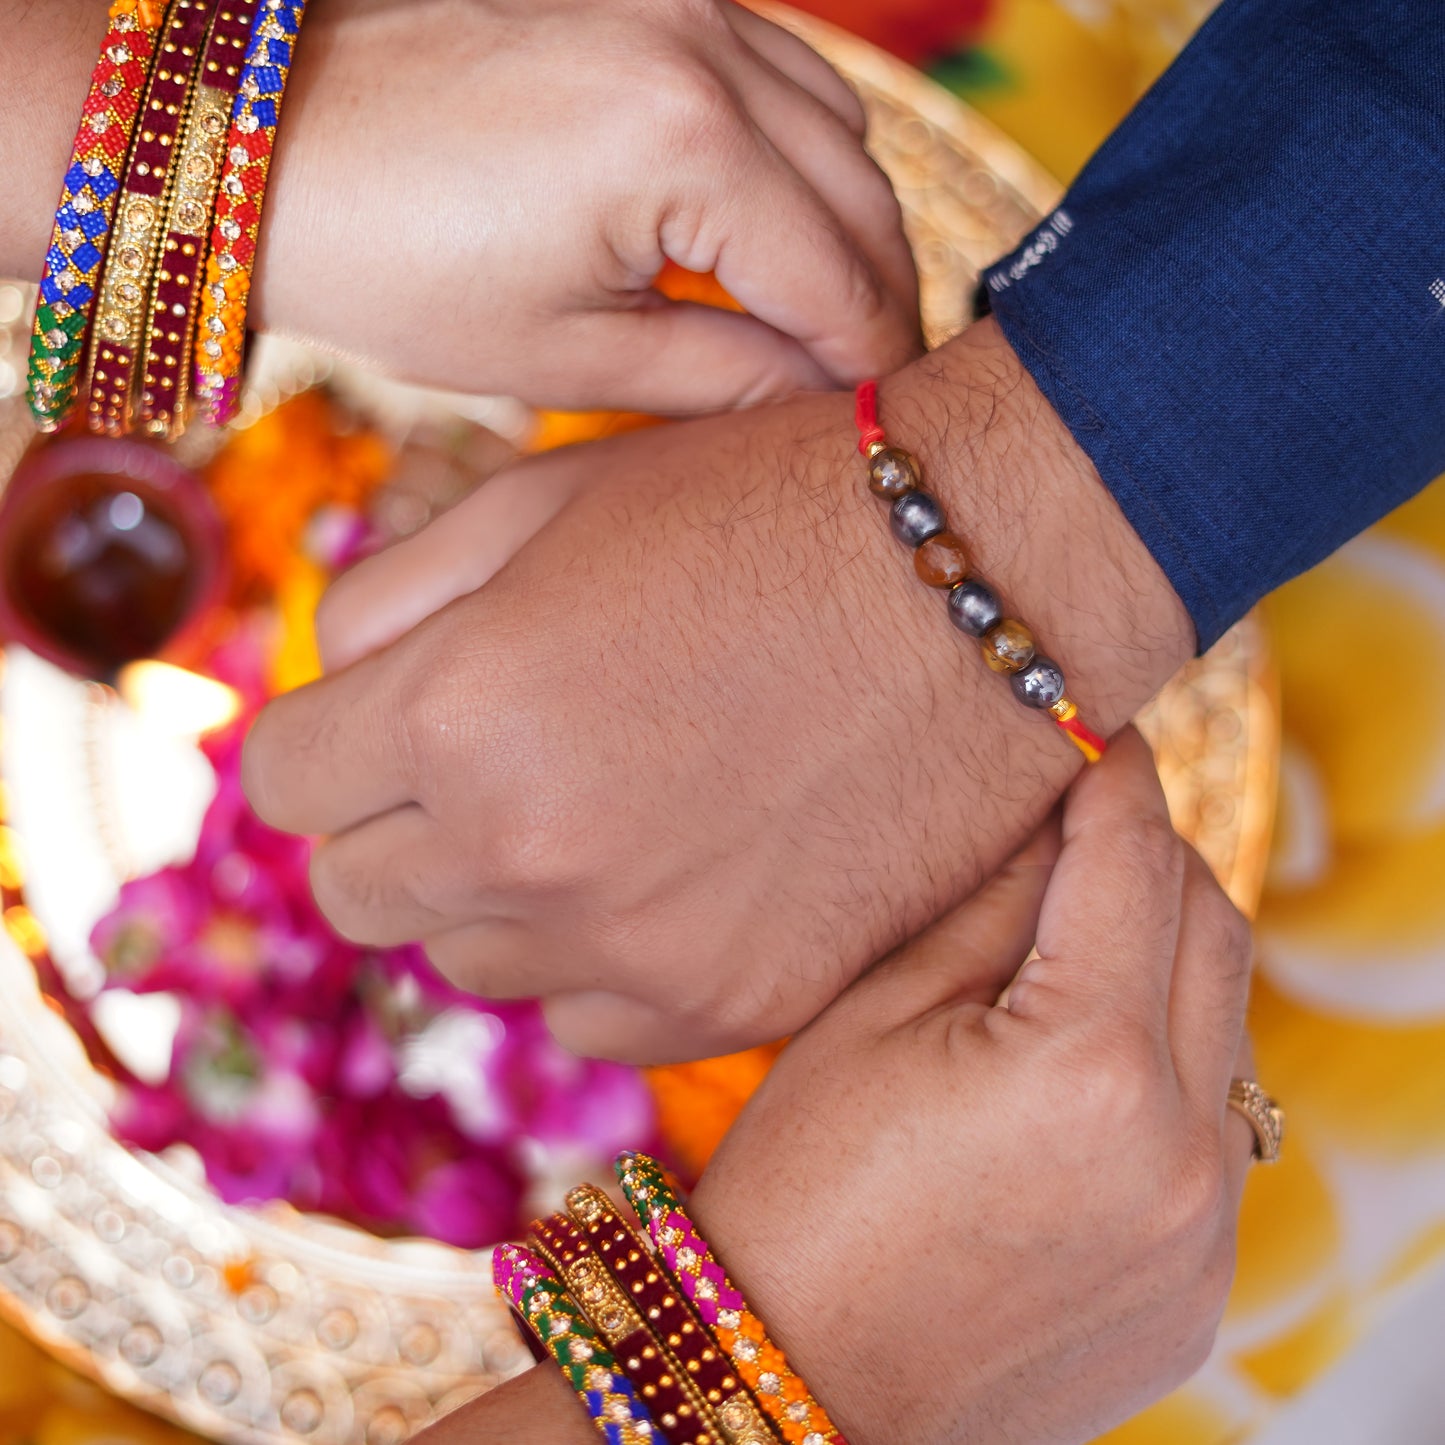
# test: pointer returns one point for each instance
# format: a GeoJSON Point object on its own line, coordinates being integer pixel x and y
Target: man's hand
{"type": "Point", "coordinates": [703, 748]}
{"type": "Point", "coordinates": [1042, 1192]}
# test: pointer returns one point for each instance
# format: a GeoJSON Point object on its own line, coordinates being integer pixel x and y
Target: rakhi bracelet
{"type": "Point", "coordinates": [941, 560]}
{"type": "Point", "coordinates": [673, 1396]}
{"type": "Point", "coordinates": [170, 334]}
{"type": "Point", "coordinates": [230, 269]}
{"type": "Point", "coordinates": [559, 1325]}
{"type": "Point", "coordinates": [130, 270]}
{"type": "Point", "coordinates": [671, 1317]}
{"type": "Point", "coordinates": [658, 1202]}
{"type": "Point", "coordinates": [70, 282]}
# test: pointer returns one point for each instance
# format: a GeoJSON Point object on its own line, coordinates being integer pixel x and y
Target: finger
{"type": "Point", "coordinates": [384, 597]}
{"type": "Point", "coordinates": [324, 758]}
{"type": "Point", "coordinates": [1110, 922]}
{"type": "Point", "coordinates": [972, 954]}
{"type": "Point", "coordinates": [827, 155]}
{"type": "Point", "coordinates": [783, 254]}
{"type": "Point", "coordinates": [681, 358]}
{"type": "Point", "coordinates": [392, 880]}
{"type": "Point", "coordinates": [1210, 994]}
{"type": "Point", "coordinates": [499, 958]}
{"type": "Point", "coordinates": [796, 59]}
{"type": "Point", "coordinates": [1239, 1138]}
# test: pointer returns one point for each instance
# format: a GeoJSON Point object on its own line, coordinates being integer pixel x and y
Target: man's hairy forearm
{"type": "Point", "coordinates": [45, 63]}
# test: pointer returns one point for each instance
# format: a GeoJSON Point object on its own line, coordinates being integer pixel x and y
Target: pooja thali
{"type": "Point", "coordinates": [267, 1323]}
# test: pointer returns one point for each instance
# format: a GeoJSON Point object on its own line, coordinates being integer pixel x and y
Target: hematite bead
{"type": "Point", "coordinates": [1040, 684]}
{"type": "Point", "coordinates": [916, 517]}
{"type": "Point", "coordinates": [892, 473]}
{"type": "Point", "coordinates": [941, 561]}
{"type": "Point", "coordinates": [1009, 647]}
{"type": "Point", "coordinates": [973, 608]}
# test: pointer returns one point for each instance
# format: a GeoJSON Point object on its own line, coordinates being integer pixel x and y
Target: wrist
{"type": "Point", "coordinates": [1042, 528]}
{"type": "Point", "coordinates": [45, 65]}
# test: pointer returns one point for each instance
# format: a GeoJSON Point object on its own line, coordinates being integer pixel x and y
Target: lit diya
{"type": "Point", "coordinates": [110, 552]}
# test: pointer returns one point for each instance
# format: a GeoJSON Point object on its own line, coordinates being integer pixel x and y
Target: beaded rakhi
{"type": "Point", "coordinates": [942, 561]}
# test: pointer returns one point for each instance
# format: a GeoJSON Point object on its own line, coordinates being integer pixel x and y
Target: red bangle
{"type": "Point", "coordinates": [657, 1201]}
{"type": "Point", "coordinates": [135, 252]}
{"type": "Point", "coordinates": [70, 283]}
{"type": "Point", "coordinates": [170, 336]}
{"type": "Point", "coordinates": [635, 1349]}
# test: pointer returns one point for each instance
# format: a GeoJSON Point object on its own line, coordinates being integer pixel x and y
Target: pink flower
{"type": "Point", "coordinates": [351, 1081]}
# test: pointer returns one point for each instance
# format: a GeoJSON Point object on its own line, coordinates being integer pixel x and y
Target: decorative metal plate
{"type": "Point", "coordinates": [266, 1325]}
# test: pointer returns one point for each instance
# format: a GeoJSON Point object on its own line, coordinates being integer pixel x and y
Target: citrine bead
{"type": "Point", "coordinates": [941, 561]}
{"type": "Point", "coordinates": [1009, 647]}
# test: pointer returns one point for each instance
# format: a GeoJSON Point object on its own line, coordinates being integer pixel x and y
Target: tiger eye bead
{"type": "Point", "coordinates": [1009, 647]}
{"type": "Point", "coordinates": [941, 561]}
{"type": "Point", "coordinates": [891, 473]}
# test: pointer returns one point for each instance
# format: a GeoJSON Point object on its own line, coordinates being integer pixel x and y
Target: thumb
{"type": "Point", "coordinates": [972, 954]}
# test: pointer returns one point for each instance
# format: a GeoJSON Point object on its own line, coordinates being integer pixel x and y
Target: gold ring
{"type": "Point", "coordinates": [1263, 1115]}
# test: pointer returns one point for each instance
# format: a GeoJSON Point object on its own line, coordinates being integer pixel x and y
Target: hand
{"type": "Point", "coordinates": [972, 1221]}
{"type": "Point", "coordinates": [704, 749]}
{"type": "Point", "coordinates": [479, 194]}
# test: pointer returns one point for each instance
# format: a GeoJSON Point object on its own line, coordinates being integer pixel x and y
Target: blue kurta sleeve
{"type": "Point", "coordinates": [1239, 307]}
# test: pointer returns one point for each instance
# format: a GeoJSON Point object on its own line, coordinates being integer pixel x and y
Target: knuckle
{"type": "Point", "coordinates": [694, 104]}
{"type": "Point", "coordinates": [1193, 1203]}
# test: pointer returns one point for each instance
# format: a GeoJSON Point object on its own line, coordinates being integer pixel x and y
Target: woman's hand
{"type": "Point", "coordinates": [479, 194]}
{"type": "Point", "coordinates": [974, 1221]}
{"type": "Point", "coordinates": [703, 748]}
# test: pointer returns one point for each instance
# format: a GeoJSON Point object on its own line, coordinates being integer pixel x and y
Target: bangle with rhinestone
{"type": "Point", "coordinates": [678, 1411]}
{"type": "Point", "coordinates": [658, 1202]}
{"type": "Point", "coordinates": [558, 1323]}
{"type": "Point", "coordinates": [942, 561]}
{"type": "Point", "coordinates": [674, 1324]}
{"type": "Point", "coordinates": [165, 382]}
{"type": "Point", "coordinates": [70, 282]}
{"type": "Point", "coordinates": [246, 170]}
{"type": "Point", "coordinates": [128, 279]}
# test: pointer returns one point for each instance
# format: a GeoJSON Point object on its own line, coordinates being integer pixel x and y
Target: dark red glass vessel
{"type": "Point", "coordinates": [110, 552]}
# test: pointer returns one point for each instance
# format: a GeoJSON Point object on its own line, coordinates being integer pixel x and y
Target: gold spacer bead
{"type": "Point", "coordinates": [1065, 710]}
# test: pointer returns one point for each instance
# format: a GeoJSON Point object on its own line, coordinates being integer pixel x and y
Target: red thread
{"type": "Point", "coordinates": [1088, 740]}
{"type": "Point", "coordinates": [866, 415]}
